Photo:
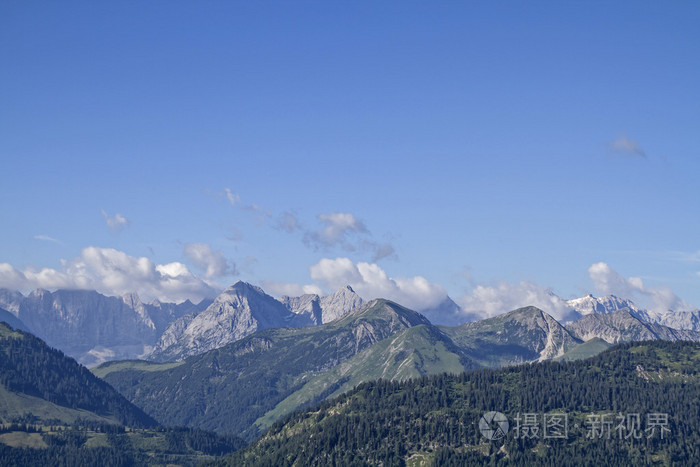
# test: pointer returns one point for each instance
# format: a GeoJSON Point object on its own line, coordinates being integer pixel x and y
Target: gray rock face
{"type": "Point", "coordinates": [322, 310]}
{"type": "Point", "coordinates": [306, 305]}
{"type": "Point", "coordinates": [237, 312]}
{"type": "Point", "coordinates": [623, 326]}
{"type": "Point", "coordinates": [338, 304]}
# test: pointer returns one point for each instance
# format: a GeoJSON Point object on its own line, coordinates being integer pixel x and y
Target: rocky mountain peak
{"type": "Point", "coordinates": [339, 303]}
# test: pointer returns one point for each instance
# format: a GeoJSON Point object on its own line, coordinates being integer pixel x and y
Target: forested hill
{"type": "Point", "coordinates": [33, 373]}
{"type": "Point", "coordinates": [635, 404]}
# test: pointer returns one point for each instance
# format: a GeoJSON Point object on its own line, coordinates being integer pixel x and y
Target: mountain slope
{"type": "Point", "coordinates": [522, 335]}
{"type": "Point", "coordinates": [623, 326]}
{"type": "Point", "coordinates": [438, 420]}
{"type": "Point", "coordinates": [37, 379]}
{"type": "Point", "coordinates": [229, 388]}
{"type": "Point", "coordinates": [10, 300]}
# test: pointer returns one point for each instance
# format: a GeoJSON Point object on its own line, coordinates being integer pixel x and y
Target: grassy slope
{"type": "Point", "coordinates": [15, 405]}
{"type": "Point", "coordinates": [587, 349]}
{"type": "Point", "coordinates": [110, 367]}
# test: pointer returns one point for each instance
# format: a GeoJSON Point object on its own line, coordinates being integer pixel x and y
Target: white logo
{"type": "Point", "coordinates": [493, 425]}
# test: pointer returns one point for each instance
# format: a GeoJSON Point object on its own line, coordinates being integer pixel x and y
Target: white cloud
{"type": "Point", "coordinates": [337, 229]}
{"type": "Point", "coordinates": [232, 198]}
{"type": "Point", "coordinates": [117, 222]}
{"type": "Point", "coordinates": [488, 301]}
{"type": "Point", "coordinates": [345, 231]}
{"type": "Point", "coordinates": [660, 299]}
{"type": "Point", "coordinates": [626, 147]}
{"type": "Point", "coordinates": [46, 238]}
{"type": "Point", "coordinates": [336, 272]}
{"type": "Point", "coordinates": [113, 272]}
{"type": "Point", "coordinates": [213, 262]}
{"type": "Point", "coordinates": [370, 281]}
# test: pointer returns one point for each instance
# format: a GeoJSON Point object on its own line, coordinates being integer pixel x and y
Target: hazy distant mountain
{"type": "Point", "coordinates": [589, 304]}
{"type": "Point", "coordinates": [87, 325]}
{"type": "Point", "coordinates": [622, 326]}
{"type": "Point", "coordinates": [684, 320]}
{"type": "Point", "coordinates": [92, 327]}
{"type": "Point", "coordinates": [522, 335]}
{"type": "Point", "coordinates": [680, 320]}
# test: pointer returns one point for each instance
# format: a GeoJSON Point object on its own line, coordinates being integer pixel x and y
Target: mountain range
{"type": "Point", "coordinates": [373, 368]}
{"type": "Point", "coordinates": [245, 386]}
{"type": "Point", "coordinates": [242, 362]}
{"type": "Point", "coordinates": [94, 328]}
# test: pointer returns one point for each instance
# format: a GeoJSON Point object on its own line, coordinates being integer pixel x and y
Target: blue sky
{"type": "Point", "coordinates": [489, 150]}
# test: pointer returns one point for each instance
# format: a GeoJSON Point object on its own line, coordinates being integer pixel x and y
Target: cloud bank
{"type": "Point", "coordinates": [113, 272]}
